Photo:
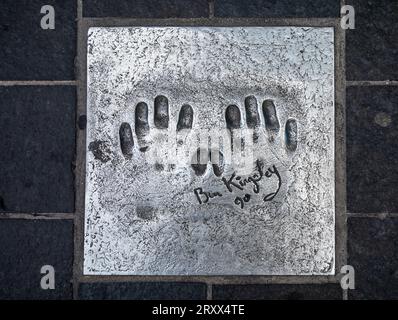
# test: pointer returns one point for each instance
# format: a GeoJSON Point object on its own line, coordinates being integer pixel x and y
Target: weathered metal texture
{"type": "Point", "coordinates": [151, 92]}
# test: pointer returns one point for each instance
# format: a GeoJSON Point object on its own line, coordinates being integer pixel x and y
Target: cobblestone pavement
{"type": "Point", "coordinates": [42, 149]}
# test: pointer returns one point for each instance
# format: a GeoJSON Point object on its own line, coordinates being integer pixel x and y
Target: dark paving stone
{"type": "Point", "coordinates": [26, 246]}
{"type": "Point", "coordinates": [372, 149]}
{"type": "Point", "coordinates": [278, 292]}
{"type": "Point", "coordinates": [277, 8]}
{"type": "Point", "coordinates": [143, 291]}
{"type": "Point", "coordinates": [30, 53]}
{"type": "Point", "coordinates": [146, 8]}
{"type": "Point", "coordinates": [37, 126]}
{"type": "Point", "coordinates": [372, 47]}
{"type": "Point", "coordinates": [373, 252]}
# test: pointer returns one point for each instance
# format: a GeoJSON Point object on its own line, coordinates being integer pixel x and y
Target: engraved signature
{"type": "Point", "coordinates": [236, 182]}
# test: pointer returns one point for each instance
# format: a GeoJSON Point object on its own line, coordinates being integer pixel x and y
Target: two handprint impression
{"type": "Point", "coordinates": [244, 179]}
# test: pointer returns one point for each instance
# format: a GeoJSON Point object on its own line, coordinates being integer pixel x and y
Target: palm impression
{"type": "Point", "coordinates": [256, 169]}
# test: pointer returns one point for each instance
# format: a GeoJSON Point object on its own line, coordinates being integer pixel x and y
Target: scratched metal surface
{"type": "Point", "coordinates": [150, 212]}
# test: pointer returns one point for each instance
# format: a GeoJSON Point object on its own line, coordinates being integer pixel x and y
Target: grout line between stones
{"type": "Point", "coordinates": [381, 215]}
{"type": "Point", "coordinates": [206, 21]}
{"type": "Point", "coordinates": [209, 291]}
{"type": "Point", "coordinates": [79, 8]}
{"type": "Point", "coordinates": [10, 83]}
{"type": "Point", "coordinates": [211, 8]}
{"type": "Point", "coordinates": [344, 231]}
{"type": "Point", "coordinates": [37, 216]}
{"type": "Point", "coordinates": [212, 280]}
{"type": "Point", "coordinates": [340, 150]}
{"type": "Point", "coordinates": [79, 158]}
{"type": "Point", "coordinates": [368, 83]}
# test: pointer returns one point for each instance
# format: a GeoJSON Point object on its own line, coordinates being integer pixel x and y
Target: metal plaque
{"type": "Point", "coordinates": [210, 151]}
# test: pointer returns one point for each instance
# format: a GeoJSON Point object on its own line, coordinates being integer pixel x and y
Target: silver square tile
{"type": "Point", "coordinates": [210, 151]}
